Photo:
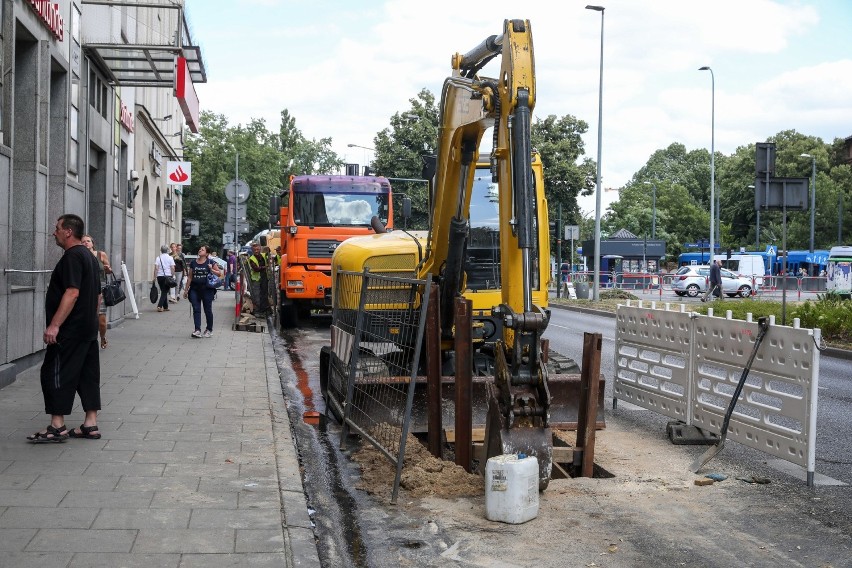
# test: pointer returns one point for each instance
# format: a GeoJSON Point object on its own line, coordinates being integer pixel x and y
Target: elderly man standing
{"type": "Point", "coordinates": [71, 361]}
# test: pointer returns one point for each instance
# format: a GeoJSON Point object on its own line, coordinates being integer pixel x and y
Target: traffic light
{"type": "Point", "coordinates": [729, 253]}
{"type": "Point", "coordinates": [368, 171]}
{"type": "Point", "coordinates": [553, 229]}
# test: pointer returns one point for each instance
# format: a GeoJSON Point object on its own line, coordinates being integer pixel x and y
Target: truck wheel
{"type": "Point", "coordinates": [287, 314]}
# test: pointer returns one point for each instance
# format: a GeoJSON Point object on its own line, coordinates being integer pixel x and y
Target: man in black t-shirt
{"type": "Point", "coordinates": [71, 361]}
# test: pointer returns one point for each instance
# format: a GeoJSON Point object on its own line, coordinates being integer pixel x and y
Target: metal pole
{"type": "Point", "coordinates": [654, 212]}
{"type": "Point", "coordinates": [597, 279]}
{"type": "Point", "coordinates": [813, 199]}
{"type": "Point", "coordinates": [839, 216]}
{"type": "Point", "coordinates": [237, 198]}
{"type": "Point", "coordinates": [712, 157]}
{"type": "Point", "coordinates": [559, 253]}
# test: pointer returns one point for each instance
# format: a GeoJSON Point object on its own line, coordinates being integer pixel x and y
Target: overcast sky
{"type": "Point", "coordinates": [343, 67]}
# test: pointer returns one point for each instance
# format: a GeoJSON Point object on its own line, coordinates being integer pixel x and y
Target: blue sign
{"type": "Point", "coordinates": [771, 250]}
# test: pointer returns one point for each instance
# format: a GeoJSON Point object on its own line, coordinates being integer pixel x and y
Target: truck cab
{"type": "Point", "coordinates": [318, 213]}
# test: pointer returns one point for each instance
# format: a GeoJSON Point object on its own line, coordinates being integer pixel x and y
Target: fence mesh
{"type": "Point", "coordinates": [376, 333]}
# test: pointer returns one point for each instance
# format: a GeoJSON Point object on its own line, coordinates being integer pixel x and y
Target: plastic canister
{"type": "Point", "coordinates": [511, 489]}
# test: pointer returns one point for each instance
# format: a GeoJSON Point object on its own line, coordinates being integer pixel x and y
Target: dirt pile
{"type": "Point", "coordinates": [422, 474]}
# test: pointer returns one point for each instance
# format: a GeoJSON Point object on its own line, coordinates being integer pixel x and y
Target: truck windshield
{"type": "Point", "coordinates": [339, 209]}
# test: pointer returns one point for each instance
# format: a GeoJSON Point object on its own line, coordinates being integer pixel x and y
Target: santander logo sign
{"type": "Point", "coordinates": [179, 173]}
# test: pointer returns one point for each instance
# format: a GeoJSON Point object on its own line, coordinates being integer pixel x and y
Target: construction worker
{"type": "Point", "coordinates": [258, 262]}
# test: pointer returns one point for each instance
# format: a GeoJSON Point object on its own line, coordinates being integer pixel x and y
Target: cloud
{"type": "Point", "coordinates": [345, 73]}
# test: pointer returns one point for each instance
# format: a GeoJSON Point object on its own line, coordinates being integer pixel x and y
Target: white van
{"type": "Point", "coordinates": [748, 265]}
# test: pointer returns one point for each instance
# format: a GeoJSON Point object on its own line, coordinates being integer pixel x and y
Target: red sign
{"type": "Point", "coordinates": [185, 94]}
{"type": "Point", "coordinates": [126, 117]}
{"type": "Point", "coordinates": [49, 14]}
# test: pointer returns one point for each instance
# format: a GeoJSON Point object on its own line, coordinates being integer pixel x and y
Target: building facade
{"type": "Point", "coordinates": [79, 133]}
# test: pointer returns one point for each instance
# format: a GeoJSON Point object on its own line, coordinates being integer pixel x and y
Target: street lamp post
{"type": "Point", "coordinates": [813, 193]}
{"type": "Point", "coordinates": [653, 209]}
{"type": "Point", "coordinates": [712, 156]}
{"type": "Point", "coordinates": [597, 279]}
{"type": "Point", "coordinates": [757, 226]}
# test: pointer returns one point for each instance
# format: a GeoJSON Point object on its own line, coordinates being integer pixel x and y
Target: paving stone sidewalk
{"type": "Point", "coordinates": [196, 466]}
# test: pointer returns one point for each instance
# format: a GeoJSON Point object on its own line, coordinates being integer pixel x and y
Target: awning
{"type": "Point", "coordinates": [146, 65]}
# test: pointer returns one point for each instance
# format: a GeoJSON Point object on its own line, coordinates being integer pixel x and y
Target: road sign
{"type": "Point", "coordinates": [241, 228]}
{"type": "Point", "coordinates": [236, 211]}
{"type": "Point", "coordinates": [227, 238]}
{"type": "Point", "coordinates": [771, 250]}
{"type": "Point", "coordinates": [237, 191]}
{"type": "Point", "coordinates": [572, 232]}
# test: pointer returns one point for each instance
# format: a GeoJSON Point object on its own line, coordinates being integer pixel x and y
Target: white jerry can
{"type": "Point", "coordinates": [511, 489]}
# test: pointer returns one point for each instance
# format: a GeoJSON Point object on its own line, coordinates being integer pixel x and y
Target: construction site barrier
{"type": "Point", "coordinates": [376, 336]}
{"type": "Point", "coordinates": [686, 366]}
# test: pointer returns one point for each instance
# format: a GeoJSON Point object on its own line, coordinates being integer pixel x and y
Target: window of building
{"type": "Point", "coordinates": [98, 93]}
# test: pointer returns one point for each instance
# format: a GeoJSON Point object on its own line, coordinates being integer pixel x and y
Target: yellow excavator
{"type": "Point", "coordinates": [488, 240]}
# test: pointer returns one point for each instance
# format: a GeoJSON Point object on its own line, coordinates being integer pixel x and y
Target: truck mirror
{"type": "Point", "coordinates": [274, 205]}
{"type": "Point", "coordinates": [406, 208]}
{"type": "Point", "coordinates": [262, 240]}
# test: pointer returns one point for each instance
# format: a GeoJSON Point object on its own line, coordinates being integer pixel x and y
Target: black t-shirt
{"type": "Point", "coordinates": [198, 273]}
{"type": "Point", "coordinates": [180, 263]}
{"type": "Point", "coordinates": [78, 268]}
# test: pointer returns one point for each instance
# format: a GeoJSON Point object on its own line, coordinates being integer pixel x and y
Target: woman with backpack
{"type": "Point", "coordinates": [202, 289]}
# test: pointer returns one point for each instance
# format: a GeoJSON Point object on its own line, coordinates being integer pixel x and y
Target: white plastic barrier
{"type": "Point", "coordinates": [687, 366]}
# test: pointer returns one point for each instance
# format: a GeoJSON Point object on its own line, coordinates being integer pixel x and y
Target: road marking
{"type": "Point", "coordinates": [575, 329]}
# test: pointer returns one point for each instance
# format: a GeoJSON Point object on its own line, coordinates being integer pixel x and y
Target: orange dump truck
{"type": "Point", "coordinates": [317, 213]}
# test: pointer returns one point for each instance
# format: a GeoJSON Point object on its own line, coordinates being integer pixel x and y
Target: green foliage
{"type": "Point", "coordinates": [400, 149]}
{"type": "Point", "coordinates": [830, 313]}
{"type": "Point", "coordinates": [266, 161]}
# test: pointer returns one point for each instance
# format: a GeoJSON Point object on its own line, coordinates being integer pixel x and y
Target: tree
{"type": "Point", "coordinates": [400, 151]}
{"type": "Point", "coordinates": [266, 161]}
{"type": "Point", "coordinates": [559, 142]}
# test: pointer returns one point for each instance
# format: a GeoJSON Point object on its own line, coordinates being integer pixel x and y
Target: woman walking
{"type": "Point", "coordinates": [104, 268]}
{"type": "Point", "coordinates": [200, 292]}
{"type": "Point", "coordinates": [164, 266]}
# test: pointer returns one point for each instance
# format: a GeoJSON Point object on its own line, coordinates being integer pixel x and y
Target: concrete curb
{"type": "Point", "coordinates": [298, 527]}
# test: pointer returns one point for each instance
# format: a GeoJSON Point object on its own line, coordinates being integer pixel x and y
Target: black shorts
{"type": "Point", "coordinates": [71, 367]}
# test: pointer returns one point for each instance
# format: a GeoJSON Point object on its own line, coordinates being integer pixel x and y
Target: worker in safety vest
{"type": "Point", "coordinates": [258, 262]}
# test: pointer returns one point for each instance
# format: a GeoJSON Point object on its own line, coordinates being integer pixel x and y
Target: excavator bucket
{"type": "Point", "coordinates": [530, 441]}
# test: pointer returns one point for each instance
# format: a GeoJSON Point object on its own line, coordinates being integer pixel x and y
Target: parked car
{"type": "Point", "coordinates": [223, 264]}
{"type": "Point", "coordinates": [692, 280]}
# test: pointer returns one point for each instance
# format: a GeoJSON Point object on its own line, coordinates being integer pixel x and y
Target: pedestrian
{"type": "Point", "coordinates": [199, 292]}
{"type": "Point", "coordinates": [260, 282]}
{"type": "Point", "coordinates": [71, 361]}
{"type": "Point", "coordinates": [716, 278]}
{"type": "Point", "coordinates": [180, 271]}
{"type": "Point", "coordinates": [231, 276]}
{"type": "Point", "coordinates": [164, 267]}
{"type": "Point", "coordinates": [105, 268]}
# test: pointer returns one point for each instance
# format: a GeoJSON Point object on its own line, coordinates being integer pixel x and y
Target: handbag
{"type": "Point", "coordinates": [154, 295]}
{"type": "Point", "coordinates": [171, 281]}
{"type": "Point", "coordinates": [213, 281]}
{"type": "Point", "coordinates": [113, 292]}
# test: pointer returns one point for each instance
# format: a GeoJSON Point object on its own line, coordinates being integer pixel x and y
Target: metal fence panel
{"type": "Point", "coordinates": [652, 354]}
{"type": "Point", "coordinates": [776, 412]}
{"type": "Point", "coordinates": [377, 332]}
{"type": "Point", "coordinates": [687, 366]}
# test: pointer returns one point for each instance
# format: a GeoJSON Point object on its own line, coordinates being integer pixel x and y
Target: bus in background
{"type": "Point", "coordinates": [839, 271]}
{"type": "Point", "coordinates": [813, 263]}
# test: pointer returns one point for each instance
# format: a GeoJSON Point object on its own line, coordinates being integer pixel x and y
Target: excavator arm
{"type": "Point", "coordinates": [471, 104]}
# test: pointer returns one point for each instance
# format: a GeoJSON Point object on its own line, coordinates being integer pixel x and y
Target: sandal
{"type": "Point", "coordinates": [104, 343]}
{"type": "Point", "coordinates": [87, 432]}
{"type": "Point", "coordinates": [51, 434]}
